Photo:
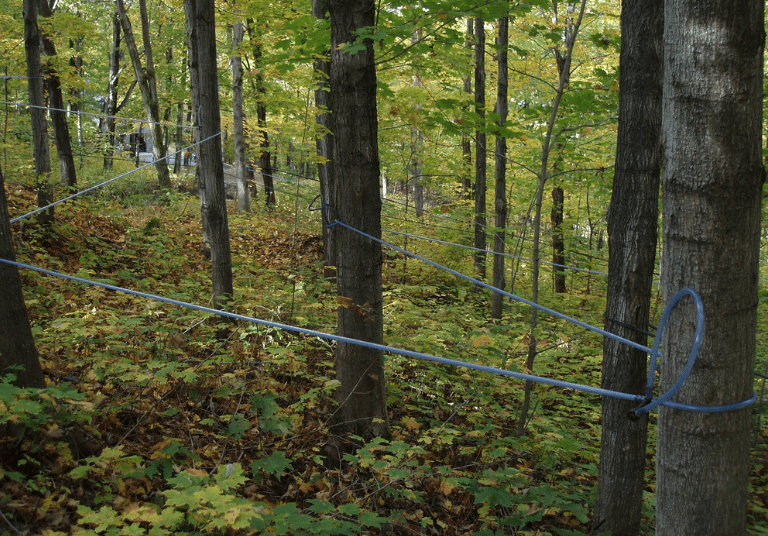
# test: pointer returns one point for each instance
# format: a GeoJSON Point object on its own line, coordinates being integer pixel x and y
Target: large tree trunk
{"type": "Point", "coordinates": [210, 162]}
{"type": "Point", "coordinates": [193, 64]}
{"type": "Point", "coordinates": [243, 199]}
{"type": "Point", "coordinates": [500, 204]}
{"type": "Point", "coordinates": [17, 346]}
{"type": "Point", "coordinates": [324, 140]}
{"type": "Point", "coordinates": [480, 150]}
{"type": "Point", "coordinates": [360, 371]}
{"type": "Point", "coordinates": [712, 182]}
{"type": "Point", "coordinates": [632, 223]}
{"type": "Point", "coordinates": [147, 82]}
{"type": "Point", "coordinates": [37, 112]}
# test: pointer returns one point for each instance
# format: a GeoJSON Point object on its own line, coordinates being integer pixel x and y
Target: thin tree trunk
{"type": "Point", "coordinates": [466, 146]}
{"type": "Point", "coordinates": [243, 199]}
{"type": "Point", "coordinates": [500, 204]}
{"type": "Point", "coordinates": [632, 220]}
{"type": "Point", "coordinates": [17, 346]}
{"type": "Point", "coordinates": [110, 104]}
{"type": "Point", "coordinates": [564, 66]}
{"type": "Point", "coordinates": [58, 115]}
{"type": "Point", "coordinates": [210, 159]}
{"type": "Point", "coordinates": [76, 102]}
{"type": "Point", "coordinates": [360, 371]}
{"type": "Point", "coordinates": [37, 113]}
{"type": "Point", "coordinates": [265, 157]}
{"type": "Point", "coordinates": [712, 188]}
{"type": "Point", "coordinates": [558, 246]}
{"type": "Point", "coordinates": [480, 150]}
{"type": "Point", "coordinates": [179, 138]}
{"type": "Point", "coordinates": [148, 86]}
{"type": "Point", "coordinates": [323, 141]}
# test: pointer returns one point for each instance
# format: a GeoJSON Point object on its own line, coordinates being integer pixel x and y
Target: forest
{"type": "Point", "coordinates": [342, 267]}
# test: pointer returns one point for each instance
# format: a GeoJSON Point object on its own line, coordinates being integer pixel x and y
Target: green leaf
{"type": "Point", "coordinates": [275, 464]}
{"type": "Point", "coordinates": [238, 425]}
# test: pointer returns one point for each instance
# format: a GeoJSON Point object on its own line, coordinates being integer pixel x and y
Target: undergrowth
{"type": "Point", "coordinates": [162, 420]}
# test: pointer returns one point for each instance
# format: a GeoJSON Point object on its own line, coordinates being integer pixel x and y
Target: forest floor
{"type": "Point", "coordinates": [165, 420]}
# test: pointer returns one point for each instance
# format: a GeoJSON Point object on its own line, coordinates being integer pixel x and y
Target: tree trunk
{"type": "Point", "coordinates": [58, 115]}
{"type": "Point", "coordinates": [466, 145]}
{"type": "Point", "coordinates": [148, 86]}
{"type": "Point", "coordinates": [497, 300]}
{"type": "Point", "coordinates": [110, 104]}
{"type": "Point", "coordinates": [632, 221]}
{"type": "Point", "coordinates": [265, 157]}
{"type": "Point", "coordinates": [711, 187]}
{"type": "Point", "coordinates": [480, 150]}
{"type": "Point", "coordinates": [417, 144]}
{"type": "Point", "coordinates": [558, 246]}
{"type": "Point", "coordinates": [564, 66]}
{"type": "Point", "coordinates": [210, 160]}
{"type": "Point", "coordinates": [243, 199]}
{"type": "Point", "coordinates": [17, 346]}
{"type": "Point", "coordinates": [360, 371]}
{"type": "Point", "coordinates": [179, 138]}
{"type": "Point", "coordinates": [76, 101]}
{"type": "Point", "coordinates": [37, 112]}
{"type": "Point", "coordinates": [324, 139]}
{"type": "Point", "coordinates": [193, 64]}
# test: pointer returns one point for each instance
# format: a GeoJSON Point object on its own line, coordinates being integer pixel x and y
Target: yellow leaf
{"type": "Point", "coordinates": [482, 340]}
{"type": "Point", "coordinates": [411, 424]}
{"type": "Point", "coordinates": [344, 301]}
{"type": "Point", "coordinates": [196, 472]}
{"type": "Point", "coordinates": [446, 488]}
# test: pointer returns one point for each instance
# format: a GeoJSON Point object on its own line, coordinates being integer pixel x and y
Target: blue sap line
{"type": "Point", "coordinates": [113, 179]}
{"type": "Point", "coordinates": [649, 403]}
{"type": "Point", "coordinates": [338, 338]}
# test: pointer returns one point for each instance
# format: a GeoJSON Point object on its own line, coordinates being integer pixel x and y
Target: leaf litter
{"type": "Point", "coordinates": [190, 424]}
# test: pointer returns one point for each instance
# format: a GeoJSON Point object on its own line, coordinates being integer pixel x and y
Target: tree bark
{"type": "Point", "coordinates": [265, 157]}
{"type": "Point", "coordinates": [417, 149]}
{"type": "Point", "coordinates": [58, 115]}
{"type": "Point", "coordinates": [480, 150]}
{"type": "Point", "coordinates": [711, 187]}
{"type": "Point", "coordinates": [360, 371]}
{"type": "Point", "coordinates": [632, 222]}
{"type": "Point", "coordinates": [558, 246]}
{"type": "Point", "coordinates": [147, 82]}
{"type": "Point", "coordinates": [37, 112]}
{"type": "Point", "coordinates": [110, 104]}
{"type": "Point", "coordinates": [210, 160]}
{"type": "Point", "coordinates": [466, 145]}
{"type": "Point", "coordinates": [193, 64]}
{"type": "Point", "coordinates": [243, 198]}
{"type": "Point", "coordinates": [500, 204]}
{"type": "Point", "coordinates": [324, 140]}
{"type": "Point", "coordinates": [76, 94]}
{"type": "Point", "coordinates": [17, 346]}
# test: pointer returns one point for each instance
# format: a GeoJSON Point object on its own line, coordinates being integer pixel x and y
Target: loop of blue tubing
{"type": "Point", "coordinates": [697, 340]}
{"type": "Point", "coordinates": [650, 402]}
